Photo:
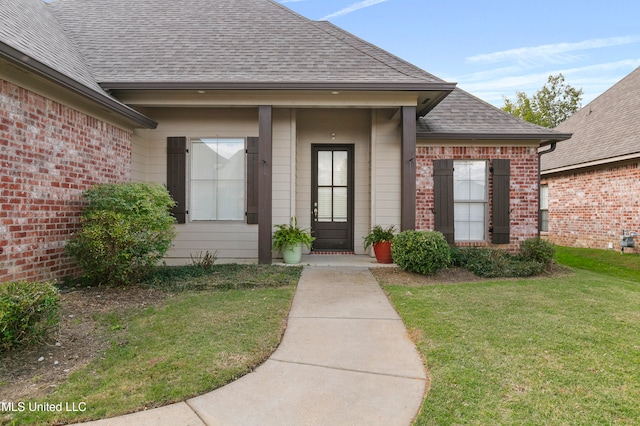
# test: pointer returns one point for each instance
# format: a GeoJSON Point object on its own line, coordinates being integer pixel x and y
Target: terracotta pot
{"type": "Point", "coordinates": [383, 252]}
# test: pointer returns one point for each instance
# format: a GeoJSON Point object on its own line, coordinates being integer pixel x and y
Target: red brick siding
{"type": "Point", "coordinates": [49, 154]}
{"type": "Point", "coordinates": [524, 186]}
{"type": "Point", "coordinates": [591, 208]}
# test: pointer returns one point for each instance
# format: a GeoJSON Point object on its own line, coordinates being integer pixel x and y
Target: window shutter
{"type": "Point", "coordinates": [443, 198]}
{"type": "Point", "coordinates": [176, 175]}
{"type": "Point", "coordinates": [501, 198]}
{"type": "Point", "coordinates": [252, 180]}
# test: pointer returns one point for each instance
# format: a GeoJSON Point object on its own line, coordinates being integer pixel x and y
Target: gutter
{"type": "Point", "coordinates": [16, 57]}
{"type": "Point", "coordinates": [552, 147]}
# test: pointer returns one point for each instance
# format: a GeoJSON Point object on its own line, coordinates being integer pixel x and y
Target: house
{"type": "Point", "coordinates": [251, 114]}
{"type": "Point", "coordinates": [591, 182]}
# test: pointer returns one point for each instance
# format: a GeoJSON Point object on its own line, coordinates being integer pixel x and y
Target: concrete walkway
{"type": "Point", "coordinates": [345, 359]}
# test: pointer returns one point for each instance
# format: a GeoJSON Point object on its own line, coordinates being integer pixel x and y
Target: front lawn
{"type": "Point", "coordinates": [555, 350]}
{"type": "Point", "coordinates": [219, 325]}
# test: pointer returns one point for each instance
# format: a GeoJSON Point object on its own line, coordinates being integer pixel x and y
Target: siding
{"type": "Point", "coordinates": [386, 173]}
{"type": "Point", "coordinates": [229, 239]}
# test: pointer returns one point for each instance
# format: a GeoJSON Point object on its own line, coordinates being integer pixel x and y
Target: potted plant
{"type": "Point", "coordinates": [381, 238]}
{"type": "Point", "coordinates": [289, 240]}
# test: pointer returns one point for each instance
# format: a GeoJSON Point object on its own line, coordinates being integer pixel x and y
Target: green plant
{"type": "Point", "coordinates": [379, 234]}
{"type": "Point", "coordinates": [424, 252]}
{"type": "Point", "coordinates": [538, 250]}
{"type": "Point", "coordinates": [28, 311]}
{"type": "Point", "coordinates": [126, 229]}
{"type": "Point", "coordinates": [493, 263]}
{"type": "Point", "coordinates": [290, 234]}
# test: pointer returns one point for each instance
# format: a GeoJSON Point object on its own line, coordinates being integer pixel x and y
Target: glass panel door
{"type": "Point", "coordinates": [332, 197]}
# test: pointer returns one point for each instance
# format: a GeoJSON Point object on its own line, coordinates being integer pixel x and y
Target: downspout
{"type": "Point", "coordinates": [552, 148]}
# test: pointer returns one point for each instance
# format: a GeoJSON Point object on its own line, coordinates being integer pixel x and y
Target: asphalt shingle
{"type": "Point", "coordinates": [27, 26]}
{"type": "Point", "coordinates": [606, 128]}
{"type": "Point", "coordinates": [463, 114]}
{"type": "Point", "coordinates": [220, 41]}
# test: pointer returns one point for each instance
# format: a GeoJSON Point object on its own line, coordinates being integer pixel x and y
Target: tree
{"type": "Point", "coordinates": [549, 106]}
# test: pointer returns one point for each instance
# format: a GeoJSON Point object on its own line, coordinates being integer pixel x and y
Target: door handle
{"type": "Point", "coordinates": [315, 211]}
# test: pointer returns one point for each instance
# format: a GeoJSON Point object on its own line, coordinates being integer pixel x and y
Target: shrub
{"type": "Point", "coordinates": [495, 263]}
{"type": "Point", "coordinates": [538, 250]}
{"type": "Point", "coordinates": [424, 252]}
{"type": "Point", "coordinates": [126, 229]}
{"type": "Point", "coordinates": [28, 311]}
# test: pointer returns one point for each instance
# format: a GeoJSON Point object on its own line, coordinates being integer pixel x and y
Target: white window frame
{"type": "Point", "coordinates": [473, 203]}
{"type": "Point", "coordinates": [225, 199]}
{"type": "Point", "coordinates": [544, 207]}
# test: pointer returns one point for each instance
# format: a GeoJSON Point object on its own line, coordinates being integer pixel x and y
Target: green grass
{"type": "Point", "coordinates": [196, 341]}
{"type": "Point", "coordinates": [554, 350]}
{"type": "Point", "coordinates": [609, 262]}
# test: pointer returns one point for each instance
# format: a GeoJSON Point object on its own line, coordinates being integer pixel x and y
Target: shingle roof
{"type": "Point", "coordinates": [605, 129]}
{"type": "Point", "coordinates": [31, 37]}
{"type": "Point", "coordinates": [28, 27]}
{"type": "Point", "coordinates": [219, 41]}
{"type": "Point", "coordinates": [168, 43]}
{"type": "Point", "coordinates": [462, 115]}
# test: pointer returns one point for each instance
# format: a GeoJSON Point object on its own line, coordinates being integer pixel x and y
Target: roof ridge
{"type": "Point", "coordinates": [321, 25]}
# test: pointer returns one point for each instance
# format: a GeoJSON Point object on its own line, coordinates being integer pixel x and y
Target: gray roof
{"type": "Point", "coordinates": [604, 130]}
{"type": "Point", "coordinates": [91, 45]}
{"type": "Point", "coordinates": [28, 27]}
{"type": "Point", "coordinates": [31, 37]}
{"type": "Point", "coordinates": [169, 41]}
{"type": "Point", "coordinates": [464, 116]}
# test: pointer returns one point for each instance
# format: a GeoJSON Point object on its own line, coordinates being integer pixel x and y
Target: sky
{"type": "Point", "coordinates": [495, 48]}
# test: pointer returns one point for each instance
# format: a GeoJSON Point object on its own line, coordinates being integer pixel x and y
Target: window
{"type": "Point", "coordinates": [217, 179]}
{"type": "Point", "coordinates": [544, 208]}
{"type": "Point", "coordinates": [470, 198]}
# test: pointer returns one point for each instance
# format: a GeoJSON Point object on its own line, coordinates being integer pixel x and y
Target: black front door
{"type": "Point", "coordinates": [332, 197]}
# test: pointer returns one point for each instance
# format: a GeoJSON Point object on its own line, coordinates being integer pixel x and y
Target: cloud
{"type": "Point", "coordinates": [352, 8]}
{"type": "Point", "coordinates": [593, 79]}
{"type": "Point", "coordinates": [551, 53]}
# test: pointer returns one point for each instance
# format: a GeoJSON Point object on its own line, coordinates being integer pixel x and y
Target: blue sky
{"type": "Point", "coordinates": [493, 48]}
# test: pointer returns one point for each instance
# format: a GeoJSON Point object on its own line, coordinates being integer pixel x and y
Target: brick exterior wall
{"type": "Point", "coordinates": [524, 187]}
{"type": "Point", "coordinates": [591, 208]}
{"type": "Point", "coordinates": [49, 154]}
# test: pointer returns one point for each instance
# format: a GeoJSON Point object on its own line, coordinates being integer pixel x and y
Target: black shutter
{"type": "Point", "coordinates": [443, 198]}
{"type": "Point", "coordinates": [501, 198]}
{"type": "Point", "coordinates": [177, 175]}
{"type": "Point", "coordinates": [252, 180]}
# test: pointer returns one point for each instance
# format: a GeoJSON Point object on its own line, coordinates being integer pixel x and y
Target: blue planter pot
{"type": "Point", "coordinates": [292, 253]}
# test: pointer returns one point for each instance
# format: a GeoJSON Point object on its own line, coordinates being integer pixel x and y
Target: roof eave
{"type": "Point", "coordinates": [544, 138]}
{"type": "Point", "coordinates": [595, 163]}
{"type": "Point", "coordinates": [230, 85]}
{"type": "Point", "coordinates": [18, 58]}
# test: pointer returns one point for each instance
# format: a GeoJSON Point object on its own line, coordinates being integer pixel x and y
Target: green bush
{"type": "Point", "coordinates": [28, 311]}
{"type": "Point", "coordinates": [495, 263]}
{"type": "Point", "coordinates": [424, 252]}
{"type": "Point", "coordinates": [126, 229]}
{"type": "Point", "coordinates": [538, 250]}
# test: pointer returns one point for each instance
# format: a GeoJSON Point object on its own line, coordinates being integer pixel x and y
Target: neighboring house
{"type": "Point", "coordinates": [592, 181]}
{"type": "Point", "coordinates": [251, 114]}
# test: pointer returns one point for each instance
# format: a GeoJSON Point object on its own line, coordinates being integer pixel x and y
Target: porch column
{"type": "Point", "coordinates": [408, 168]}
{"type": "Point", "coordinates": [265, 202]}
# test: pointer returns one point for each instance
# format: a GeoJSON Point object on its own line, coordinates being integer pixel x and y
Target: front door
{"type": "Point", "coordinates": [332, 197]}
